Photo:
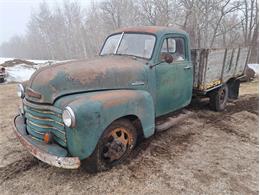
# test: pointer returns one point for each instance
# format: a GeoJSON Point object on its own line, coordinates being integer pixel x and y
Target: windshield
{"type": "Point", "coordinates": [134, 44]}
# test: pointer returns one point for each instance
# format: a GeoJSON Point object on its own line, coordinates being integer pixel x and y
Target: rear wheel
{"type": "Point", "coordinates": [115, 145]}
{"type": "Point", "coordinates": [218, 98]}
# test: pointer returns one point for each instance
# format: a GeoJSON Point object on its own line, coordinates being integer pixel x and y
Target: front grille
{"type": "Point", "coordinates": [41, 119]}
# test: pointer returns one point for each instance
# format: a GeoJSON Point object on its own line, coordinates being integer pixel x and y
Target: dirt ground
{"type": "Point", "coordinates": [210, 153]}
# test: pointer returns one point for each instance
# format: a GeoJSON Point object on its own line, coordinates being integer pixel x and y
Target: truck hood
{"type": "Point", "coordinates": [103, 73]}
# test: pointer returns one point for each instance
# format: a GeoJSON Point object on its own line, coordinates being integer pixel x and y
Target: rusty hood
{"type": "Point", "coordinates": [103, 73]}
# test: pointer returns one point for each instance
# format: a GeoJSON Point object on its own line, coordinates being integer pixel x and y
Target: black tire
{"type": "Point", "coordinates": [218, 98]}
{"type": "Point", "coordinates": [105, 155]}
{"type": "Point", "coordinates": [2, 80]}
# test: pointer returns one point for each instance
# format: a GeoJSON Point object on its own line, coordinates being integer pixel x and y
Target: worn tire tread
{"type": "Point", "coordinates": [214, 103]}
{"type": "Point", "coordinates": [93, 163]}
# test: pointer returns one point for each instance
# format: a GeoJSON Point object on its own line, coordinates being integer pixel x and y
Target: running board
{"type": "Point", "coordinates": [172, 121]}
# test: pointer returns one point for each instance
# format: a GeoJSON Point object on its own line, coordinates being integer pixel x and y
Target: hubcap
{"type": "Point", "coordinates": [118, 143]}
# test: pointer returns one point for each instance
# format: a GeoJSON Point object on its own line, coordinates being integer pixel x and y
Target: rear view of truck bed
{"type": "Point", "coordinates": [212, 67]}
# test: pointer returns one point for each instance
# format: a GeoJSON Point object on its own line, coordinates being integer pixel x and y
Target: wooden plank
{"type": "Point", "coordinates": [215, 66]}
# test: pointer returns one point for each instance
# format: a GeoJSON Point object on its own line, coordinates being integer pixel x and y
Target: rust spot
{"type": "Point", "coordinates": [98, 68]}
{"type": "Point", "coordinates": [32, 93]}
{"type": "Point", "coordinates": [104, 72]}
{"type": "Point", "coordinates": [58, 161]}
{"type": "Point", "coordinates": [85, 71]}
{"type": "Point", "coordinates": [115, 97]}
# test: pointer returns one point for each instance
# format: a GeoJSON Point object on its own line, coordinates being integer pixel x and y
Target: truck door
{"type": "Point", "coordinates": [174, 81]}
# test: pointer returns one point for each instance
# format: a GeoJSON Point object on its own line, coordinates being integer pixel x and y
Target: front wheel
{"type": "Point", "coordinates": [114, 146]}
{"type": "Point", "coordinates": [218, 98]}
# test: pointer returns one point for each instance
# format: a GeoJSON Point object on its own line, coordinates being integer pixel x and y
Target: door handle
{"type": "Point", "coordinates": [136, 83]}
{"type": "Point", "coordinates": [187, 67]}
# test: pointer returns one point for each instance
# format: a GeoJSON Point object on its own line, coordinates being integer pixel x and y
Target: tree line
{"type": "Point", "coordinates": [70, 31]}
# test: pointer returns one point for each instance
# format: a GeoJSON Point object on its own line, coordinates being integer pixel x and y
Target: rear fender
{"type": "Point", "coordinates": [233, 88]}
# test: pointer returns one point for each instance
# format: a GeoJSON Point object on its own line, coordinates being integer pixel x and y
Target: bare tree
{"type": "Point", "coordinates": [70, 31]}
{"type": "Point", "coordinates": [250, 27]}
{"type": "Point", "coordinates": [156, 12]}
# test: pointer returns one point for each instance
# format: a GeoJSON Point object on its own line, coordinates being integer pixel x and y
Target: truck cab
{"type": "Point", "coordinates": [168, 82]}
{"type": "Point", "coordinates": [91, 112]}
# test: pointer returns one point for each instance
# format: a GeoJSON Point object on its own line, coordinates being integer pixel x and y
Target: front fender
{"type": "Point", "coordinates": [96, 110]}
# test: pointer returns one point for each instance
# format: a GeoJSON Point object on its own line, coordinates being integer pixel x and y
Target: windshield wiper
{"type": "Point", "coordinates": [133, 56]}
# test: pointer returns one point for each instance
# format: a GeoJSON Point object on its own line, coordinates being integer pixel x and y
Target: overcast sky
{"type": "Point", "coordinates": [14, 15]}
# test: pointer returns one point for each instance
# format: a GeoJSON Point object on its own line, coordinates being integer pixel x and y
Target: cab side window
{"type": "Point", "coordinates": [175, 47]}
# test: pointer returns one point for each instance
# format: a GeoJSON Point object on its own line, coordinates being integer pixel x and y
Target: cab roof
{"type": "Point", "coordinates": [151, 29]}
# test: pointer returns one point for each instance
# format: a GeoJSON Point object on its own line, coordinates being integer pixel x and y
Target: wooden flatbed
{"type": "Point", "coordinates": [214, 67]}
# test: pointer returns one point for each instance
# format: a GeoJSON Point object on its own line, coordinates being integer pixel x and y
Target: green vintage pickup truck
{"type": "Point", "coordinates": [91, 113]}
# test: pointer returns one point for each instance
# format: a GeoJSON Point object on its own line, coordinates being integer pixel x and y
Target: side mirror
{"type": "Point", "coordinates": [168, 58]}
{"type": "Point", "coordinates": [165, 58]}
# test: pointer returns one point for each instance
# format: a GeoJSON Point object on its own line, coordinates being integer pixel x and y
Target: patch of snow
{"type": "Point", "coordinates": [42, 61]}
{"type": "Point", "coordinates": [2, 60]}
{"type": "Point", "coordinates": [255, 67]}
{"type": "Point", "coordinates": [19, 73]}
{"type": "Point", "coordinates": [38, 61]}
{"type": "Point", "coordinates": [23, 72]}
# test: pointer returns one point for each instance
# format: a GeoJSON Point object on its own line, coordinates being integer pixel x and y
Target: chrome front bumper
{"type": "Point", "coordinates": [52, 154]}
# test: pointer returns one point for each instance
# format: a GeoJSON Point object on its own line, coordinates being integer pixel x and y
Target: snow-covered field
{"type": "Point", "coordinates": [255, 67]}
{"type": "Point", "coordinates": [2, 60]}
{"type": "Point", "coordinates": [23, 72]}
{"type": "Point", "coordinates": [19, 73]}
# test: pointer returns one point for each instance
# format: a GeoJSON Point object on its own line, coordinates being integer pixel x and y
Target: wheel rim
{"type": "Point", "coordinates": [222, 95]}
{"type": "Point", "coordinates": [119, 141]}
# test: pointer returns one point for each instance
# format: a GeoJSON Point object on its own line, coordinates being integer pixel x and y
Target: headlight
{"type": "Point", "coordinates": [20, 90]}
{"type": "Point", "coordinates": [68, 117]}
